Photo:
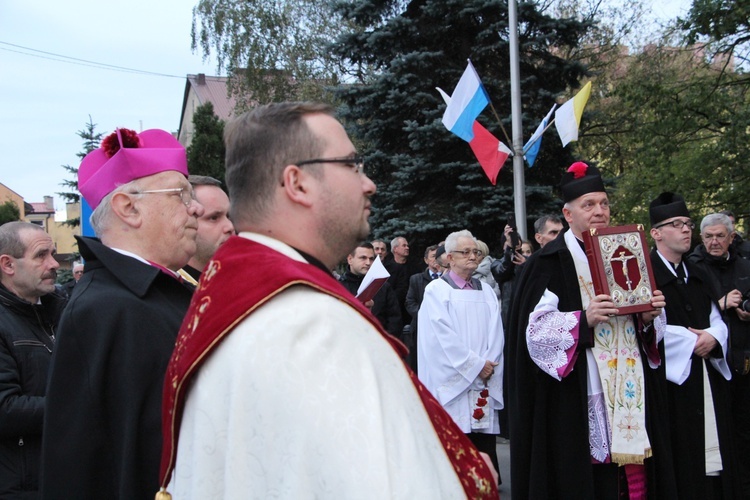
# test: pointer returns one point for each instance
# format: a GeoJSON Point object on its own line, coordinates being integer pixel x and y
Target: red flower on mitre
{"type": "Point", "coordinates": [481, 402]}
{"type": "Point", "coordinates": [111, 144]}
{"type": "Point", "coordinates": [484, 393]}
{"type": "Point", "coordinates": [578, 169]}
{"type": "Point", "coordinates": [478, 414]}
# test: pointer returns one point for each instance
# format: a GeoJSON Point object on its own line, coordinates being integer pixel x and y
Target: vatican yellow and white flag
{"type": "Point", "coordinates": [568, 116]}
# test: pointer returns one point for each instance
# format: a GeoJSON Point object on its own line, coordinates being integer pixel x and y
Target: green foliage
{"type": "Point", "coordinates": [429, 182]}
{"type": "Point", "coordinates": [273, 50]}
{"type": "Point", "coordinates": [91, 140]}
{"type": "Point", "coordinates": [63, 276]}
{"type": "Point", "coordinates": [674, 122]}
{"type": "Point", "coordinates": [724, 21]}
{"type": "Point", "coordinates": [206, 151]}
{"type": "Point", "coordinates": [9, 212]}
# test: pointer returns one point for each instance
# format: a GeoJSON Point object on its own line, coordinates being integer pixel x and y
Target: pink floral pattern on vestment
{"type": "Point", "coordinates": [551, 338]}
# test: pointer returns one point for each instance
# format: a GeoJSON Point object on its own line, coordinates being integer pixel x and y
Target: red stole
{"type": "Point", "coordinates": [207, 322]}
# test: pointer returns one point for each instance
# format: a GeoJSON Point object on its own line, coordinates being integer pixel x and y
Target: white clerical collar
{"type": "Point", "coordinates": [671, 266]}
{"type": "Point", "coordinates": [130, 254]}
{"type": "Point", "coordinates": [141, 259]}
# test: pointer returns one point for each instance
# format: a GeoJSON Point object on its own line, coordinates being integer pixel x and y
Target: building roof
{"type": "Point", "coordinates": [211, 89]}
{"type": "Point", "coordinates": [41, 208]}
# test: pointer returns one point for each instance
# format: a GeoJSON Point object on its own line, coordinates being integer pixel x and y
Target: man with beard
{"type": "Point", "coordinates": [214, 226]}
{"type": "Point", "coordinates": [292, 388]}
{"type": "Point", "coordinates": [102, 422]}
{"type": "Point", "coordinates": [29, 312]}
{"type": "Point", "coordinates": [586, 385]}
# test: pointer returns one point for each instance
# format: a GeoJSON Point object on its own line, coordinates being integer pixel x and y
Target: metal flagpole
{"type": "Point", "coordinates": [519, 184]}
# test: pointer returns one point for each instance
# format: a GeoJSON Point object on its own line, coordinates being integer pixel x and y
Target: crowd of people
{"type": "Point", "coordinates": [206, 349]}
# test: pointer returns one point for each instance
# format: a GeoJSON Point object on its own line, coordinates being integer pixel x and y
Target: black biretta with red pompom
{"type": "Point", "coordinates": [580, 179]}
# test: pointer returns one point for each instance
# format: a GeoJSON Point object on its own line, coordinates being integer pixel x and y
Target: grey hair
{"type": "Point", "coordinates": [10, 237]}
{"type": "Point", "coordinates": [101, 217]}
{"type": "Point", "coordinates": [395, 241]}
{"type": "Point", "coordinates": [203, 180]}
{"type": "Point", "coordinates": [451, 242]}
{"type": "Point", "coordinates": [715, 220]}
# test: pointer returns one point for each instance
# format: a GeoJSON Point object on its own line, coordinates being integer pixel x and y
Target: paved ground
{"type": "Point", "coordinates": [503, 457]}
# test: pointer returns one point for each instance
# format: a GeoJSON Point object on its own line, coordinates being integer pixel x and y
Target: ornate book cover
{"type": "Point", "coordinates": [621, 266]}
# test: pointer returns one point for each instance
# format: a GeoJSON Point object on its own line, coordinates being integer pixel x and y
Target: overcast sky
{"type": "Point", "coordinates": [44, 101]}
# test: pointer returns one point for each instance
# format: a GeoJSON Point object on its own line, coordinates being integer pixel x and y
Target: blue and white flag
{"type": "Point", "coordinates": [468, 100]}
{"type": "Point", "coordinates": [535, 141]}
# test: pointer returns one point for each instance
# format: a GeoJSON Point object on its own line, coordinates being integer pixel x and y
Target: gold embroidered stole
{"type": "Point", "coordinates": [620, 368]}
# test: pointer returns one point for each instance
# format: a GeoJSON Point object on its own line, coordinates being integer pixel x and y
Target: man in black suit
{"type": "Point", "coordinates": [417, 284]}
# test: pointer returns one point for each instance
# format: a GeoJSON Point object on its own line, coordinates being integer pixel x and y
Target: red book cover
{"type": "Point", "coordinates": [369, 292]}
{"type": "Point", "coordinates": [620, 266]}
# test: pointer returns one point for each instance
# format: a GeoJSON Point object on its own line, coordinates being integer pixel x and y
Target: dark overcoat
{"type": "Point", "coordinates": [549, 444]}
{"type": "Point", "coordinates": [689, 305]}
{"type": "Point", "coordinates": [102, 426]}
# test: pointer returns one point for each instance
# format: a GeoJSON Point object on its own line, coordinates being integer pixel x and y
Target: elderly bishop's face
{"type": "Point", "coordinates": [169, 223]}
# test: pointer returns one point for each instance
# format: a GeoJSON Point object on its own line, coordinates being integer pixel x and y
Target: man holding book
{"type": "Point", "coordinates": [584, 381]}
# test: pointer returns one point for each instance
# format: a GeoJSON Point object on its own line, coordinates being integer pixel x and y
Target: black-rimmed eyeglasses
{"type": "Point", "coordinates": [356, 163]}
{"type": "Point", "coordinates": [678, 224]}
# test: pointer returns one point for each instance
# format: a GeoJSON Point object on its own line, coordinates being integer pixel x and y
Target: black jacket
{"type": "Point", "coordinates": [385, 306]}
{"type": "Point", "coordinates": [399, 281]}
{"type": "Point", "coordinates": [689, 305]}
{"type": "Point", "coordinates": [725, 275]}
{"type": "Point", "coordinates": [102, 427]}
{"type": "Point", "coordinates": [417, 283]}
{"type": "Point", "coordinates": [26, 341]}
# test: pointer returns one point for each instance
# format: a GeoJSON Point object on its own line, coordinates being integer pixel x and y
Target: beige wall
{"type": "Point", "coordinates": [186, 131]}
{"type": "Point", "coordinates": [62, 234]}
{"type": "Point", "coordinates": [7, 194]}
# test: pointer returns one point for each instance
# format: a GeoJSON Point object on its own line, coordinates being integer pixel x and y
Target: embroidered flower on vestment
{"type": "Point", "coordinates": [629, 389]}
